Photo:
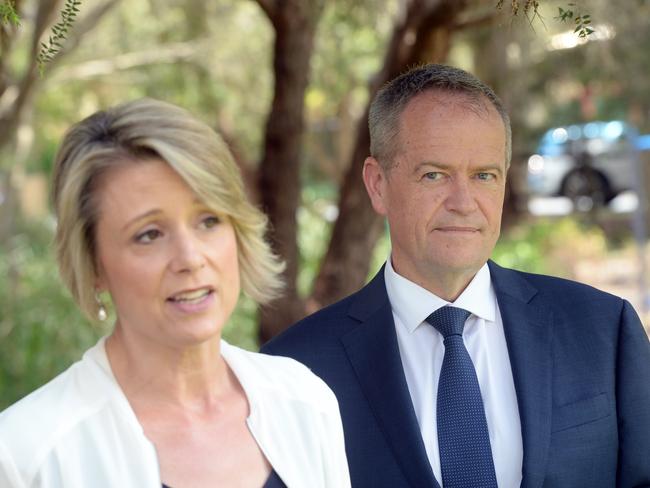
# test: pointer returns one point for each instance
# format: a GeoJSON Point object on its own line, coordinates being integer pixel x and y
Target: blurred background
{"type": "Point", "coordinates": [287, 84]}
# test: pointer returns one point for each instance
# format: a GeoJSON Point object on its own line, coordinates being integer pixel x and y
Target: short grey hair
{"type": "Point", "coordinates": [138, 131]}
{"type": "Point", "coordinates": [391, 100]}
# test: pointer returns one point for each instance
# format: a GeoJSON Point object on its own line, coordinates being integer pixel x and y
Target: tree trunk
{"type": "Point", "coordinates": [422, 36]}
{"type": "Point", "coordinates": [295, 24]}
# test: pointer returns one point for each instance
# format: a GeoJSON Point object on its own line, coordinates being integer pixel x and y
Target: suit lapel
{"type": "Point", "coordinates": [528, 331]}
{"type": "Point", "coordinates": [374, 354]}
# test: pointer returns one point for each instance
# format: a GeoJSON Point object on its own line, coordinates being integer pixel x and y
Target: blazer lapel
{"type": "Point", "coordinates": [374, 354]}
{"type": "Point", "coordinates": [528, 330]}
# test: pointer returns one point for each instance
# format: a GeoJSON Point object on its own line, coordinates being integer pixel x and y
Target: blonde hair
{"type": "Point", "coordinates": [145, 129]}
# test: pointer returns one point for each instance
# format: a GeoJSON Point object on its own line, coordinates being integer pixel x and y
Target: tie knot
{"type": "Point", "coordinates": [449, 320]}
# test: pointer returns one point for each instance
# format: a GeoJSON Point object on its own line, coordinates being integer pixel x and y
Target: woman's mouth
{"type": "Point", "coordinates": [192, 301]}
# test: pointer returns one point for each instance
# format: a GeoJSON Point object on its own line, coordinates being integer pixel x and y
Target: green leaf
{"type": "Point", "coordinates": [564, 15]}
{"type": "Point", "coordinates": [59, 31]}
{"type": "Point", "coordinates": [8, 14]}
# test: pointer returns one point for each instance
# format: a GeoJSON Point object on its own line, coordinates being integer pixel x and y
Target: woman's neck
{"type": "Point", "coordinates": [193, 377]}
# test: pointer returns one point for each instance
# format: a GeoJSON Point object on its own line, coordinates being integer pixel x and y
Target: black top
{"type": "Point", "coordinates": [273, 481]}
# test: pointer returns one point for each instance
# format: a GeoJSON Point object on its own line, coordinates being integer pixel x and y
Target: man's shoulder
{"type": "Point", "coordinates": [319, 334]}
{"type": "Point", "coordinates": [566, 300]}
{"type": "Point", "coordinates": [547, 285]}
{"type": "Point", "coordinates": [326, 324]}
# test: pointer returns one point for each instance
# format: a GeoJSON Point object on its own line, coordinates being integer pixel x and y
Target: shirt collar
{"type": "Point", "coordinates": [413, 304]}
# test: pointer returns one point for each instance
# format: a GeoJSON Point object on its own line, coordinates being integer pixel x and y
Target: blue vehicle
{"type": "Point", "coordinates": [593, 161]}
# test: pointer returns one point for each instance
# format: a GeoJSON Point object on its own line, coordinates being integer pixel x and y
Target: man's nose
{"type": "Point", "coordinates": [188, 254]}
{"type": "Point", "coordinates": [461, 198]}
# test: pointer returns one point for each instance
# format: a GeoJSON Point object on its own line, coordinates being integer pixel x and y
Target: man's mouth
{"type": "Point", "coordinates": [453, 228]}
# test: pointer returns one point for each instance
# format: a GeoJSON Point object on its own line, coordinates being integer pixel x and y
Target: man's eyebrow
{"type": "Point", "coordinates": [431, 164]}
{"type": "Point", "coordinates": [444, 166]}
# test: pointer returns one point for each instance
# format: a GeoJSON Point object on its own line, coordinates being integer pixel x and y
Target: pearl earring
{"type": "Point", "coordinates": [101, 309]}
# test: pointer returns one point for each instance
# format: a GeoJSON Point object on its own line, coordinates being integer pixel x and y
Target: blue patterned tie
{"type": "Point", "coordinates": [463, 437]}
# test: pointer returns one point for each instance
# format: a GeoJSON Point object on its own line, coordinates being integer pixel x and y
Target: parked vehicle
{"type": "Point", "coordinates": [589, 163]}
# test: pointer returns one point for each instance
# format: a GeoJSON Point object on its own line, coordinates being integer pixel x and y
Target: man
{"type": "Point", "coordinates": [449, 369]}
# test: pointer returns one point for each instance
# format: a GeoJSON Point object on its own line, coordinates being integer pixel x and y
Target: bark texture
{"type": "Point", "coordinates": [295, 23]}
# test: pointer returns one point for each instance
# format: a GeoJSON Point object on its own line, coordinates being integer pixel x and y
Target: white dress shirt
{"type": "Point", "coordinates": [421, 348]}
{"type": "Point", "coordinates": [79, 430]}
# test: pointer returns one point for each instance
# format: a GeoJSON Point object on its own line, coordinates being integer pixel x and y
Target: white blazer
{"type": "Point", "coordinates": [79, 430]}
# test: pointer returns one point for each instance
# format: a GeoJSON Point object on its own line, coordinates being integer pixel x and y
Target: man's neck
{"type": "Point", "coordinates": [445, 285]}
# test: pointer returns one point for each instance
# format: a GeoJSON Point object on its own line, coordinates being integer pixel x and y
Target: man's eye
{"type": "Point", "coordinates": [210, 221]}
{"type": "Point", "coordinates": [486, 176]}
{"type": "Point", "coordinates": [148, 236]}
{"type": "Point", "coordinates": [432, 175]}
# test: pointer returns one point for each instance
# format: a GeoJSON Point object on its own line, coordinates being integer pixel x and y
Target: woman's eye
{"type": "Point", "coordinates": [148, 236]}
{"type": "Point", "coordinates": [210, 221]}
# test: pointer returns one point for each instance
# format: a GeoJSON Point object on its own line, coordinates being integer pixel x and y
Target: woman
{"type": "Point", "coordinates": [151, 211]}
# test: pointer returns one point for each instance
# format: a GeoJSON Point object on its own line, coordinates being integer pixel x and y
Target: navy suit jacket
{"type": "Point", "coordinates": [581, 366]}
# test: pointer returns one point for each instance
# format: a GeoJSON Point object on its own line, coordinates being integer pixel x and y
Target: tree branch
{"type": "Point", "coordinates": [47, 10]}
{"type": "Point", "coordinates": [82, 27]}
{"type": "Point", "coordinates": [15, 97]}
{"type": "Point", "coordinates": [13, 101]}
{"type": "Point", "coordinates": [170, 53]}
{"type": "Point", "coordinates": [479, 21]}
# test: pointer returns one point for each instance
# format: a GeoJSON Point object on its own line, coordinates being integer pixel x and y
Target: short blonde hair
{"type": "Point", "coordinates": [146, 129]}
{"type": "Point", "coordinates": [388, 105]}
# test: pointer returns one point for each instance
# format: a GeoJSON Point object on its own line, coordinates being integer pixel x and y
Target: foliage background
{"type": "Point", "coordinates": [215, 58]}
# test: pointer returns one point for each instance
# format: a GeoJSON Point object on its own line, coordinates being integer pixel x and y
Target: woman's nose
{"type": "Point", "coordinates": [188, 254]}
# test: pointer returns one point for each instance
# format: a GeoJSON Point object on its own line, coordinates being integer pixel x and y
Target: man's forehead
{"type": "Point", "coordinates": [456, 101]}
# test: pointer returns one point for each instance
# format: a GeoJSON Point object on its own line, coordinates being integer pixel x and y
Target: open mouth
{"type": "Point", "coordinates": [192, 296]}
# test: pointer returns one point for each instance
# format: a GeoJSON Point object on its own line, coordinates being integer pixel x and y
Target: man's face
{"type": "Point", "coordinates": [443, 196]}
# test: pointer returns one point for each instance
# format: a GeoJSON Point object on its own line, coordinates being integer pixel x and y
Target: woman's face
{"type": "Point", "coordinates": [168, 261]}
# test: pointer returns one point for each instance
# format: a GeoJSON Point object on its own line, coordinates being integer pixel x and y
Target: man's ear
{"type": "Point", "coordinates": [374, 177]}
